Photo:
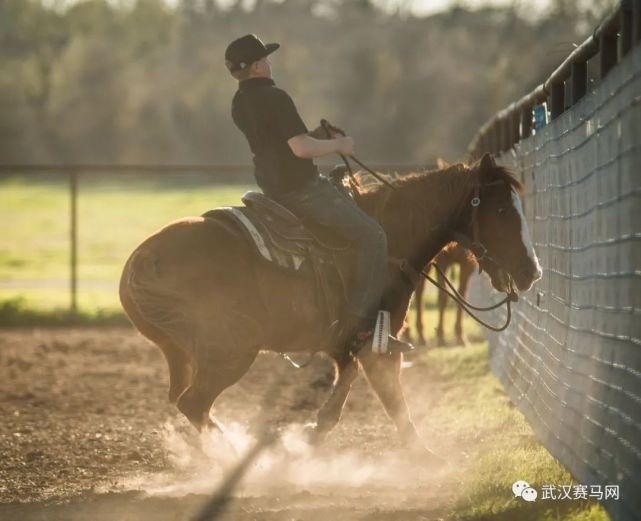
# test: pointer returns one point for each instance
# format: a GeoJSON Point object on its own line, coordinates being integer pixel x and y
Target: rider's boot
{"type": "Point", "coordinates": [356, 333]}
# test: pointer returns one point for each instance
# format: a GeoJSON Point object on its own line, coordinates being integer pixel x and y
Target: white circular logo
{"type": "Point", "coordinates": [519, 486]}
{"type": "Point", "coordinates": [529, 494]}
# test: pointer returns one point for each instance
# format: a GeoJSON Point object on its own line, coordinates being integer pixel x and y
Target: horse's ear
{"type": "Point", "coordinates": [441, 164]}
{"type": "Point", "coordinates": [486, 168]}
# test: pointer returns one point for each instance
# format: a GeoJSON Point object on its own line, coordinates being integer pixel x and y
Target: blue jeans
{"type": "Point", "coordinates": [320, 202]}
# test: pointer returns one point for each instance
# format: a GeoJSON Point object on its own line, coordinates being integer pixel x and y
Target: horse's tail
{"type": "Point", "coordinates": [153, 311]}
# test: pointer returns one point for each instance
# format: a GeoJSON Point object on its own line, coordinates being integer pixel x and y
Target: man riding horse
{"type": "Point", "coordinates": [283, 151]}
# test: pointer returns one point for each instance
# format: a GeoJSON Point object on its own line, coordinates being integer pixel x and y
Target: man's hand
{"type": "Point", "coordinates": [345, 146]}
{"type": "Point", "coordinates": [308, 147]}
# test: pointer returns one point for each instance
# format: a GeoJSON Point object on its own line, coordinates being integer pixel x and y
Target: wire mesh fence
{"type": "Point", "coordinates": [571, 359]}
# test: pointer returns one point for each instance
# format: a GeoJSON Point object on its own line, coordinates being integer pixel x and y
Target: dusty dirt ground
{"type": "Point", "coordinates": [88, 434]}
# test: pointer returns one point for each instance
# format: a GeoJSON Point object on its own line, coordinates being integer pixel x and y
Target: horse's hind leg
{"type": "Point", "coordinates": [216, 369]}
{"type": "Point", "coordinates": [330, 413]}
{"type": "Point", "coordinates": [178, 361]}
{"type": "Point", "coordinates": [180, 369]}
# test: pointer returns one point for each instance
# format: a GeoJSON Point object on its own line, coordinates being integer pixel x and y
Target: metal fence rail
{"type": "Point", "coordinates": [613, 38]}
{"type": "Point", "coordinates": [76, 175]}
{"type": "Point", "coordinates": [571, 359]}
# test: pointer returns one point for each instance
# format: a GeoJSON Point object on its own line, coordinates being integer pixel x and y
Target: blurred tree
{"type": "Point", "coordinates": [141, 81]}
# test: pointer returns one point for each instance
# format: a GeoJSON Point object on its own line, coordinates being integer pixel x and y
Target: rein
{"type": "Point", "coordinates": [328, 130]}
{"type": "Point", "coordinates": [480, 252]}
{"type": "Point", "coordinates": [414, 276]}
{"type": "Point", "coordinates": [473, 244]}
{"type": "Point", "coordinates": [467, 306]}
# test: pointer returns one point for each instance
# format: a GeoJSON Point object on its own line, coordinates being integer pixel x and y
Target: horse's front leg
{"type": "Point", "coordinates": [383, 375]}
{"type": "Point", "coordinates": [330, 412]}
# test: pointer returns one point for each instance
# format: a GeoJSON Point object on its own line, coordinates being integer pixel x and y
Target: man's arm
{"type": "Point", "coordinates": [307, 147]}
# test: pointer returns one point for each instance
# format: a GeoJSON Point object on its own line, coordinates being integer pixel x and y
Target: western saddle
{"type": "Point", "coordinates": [284, 241]}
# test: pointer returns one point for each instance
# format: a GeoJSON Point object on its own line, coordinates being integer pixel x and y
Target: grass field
{"type": "Point", "coordinates": [115, 213]}
{"type": "Point", "coordinates": [475, 402]}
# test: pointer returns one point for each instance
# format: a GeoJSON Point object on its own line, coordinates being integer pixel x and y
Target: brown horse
{"type": "Point", "coordinates": [200, 292]}
{"type": "Point", "coordinates": [452, 254]}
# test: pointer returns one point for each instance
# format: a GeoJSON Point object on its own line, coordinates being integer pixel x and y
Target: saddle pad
{"type": "Point", "coordinates": [290, 260]}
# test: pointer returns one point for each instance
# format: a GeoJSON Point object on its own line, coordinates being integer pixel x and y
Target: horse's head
{"type": "Point", "coordinates": [502, 229]}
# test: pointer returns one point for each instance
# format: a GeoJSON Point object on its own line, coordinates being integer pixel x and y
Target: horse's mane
{"type": "Point", "coordinates": [508, 176]}
{"type": "Point", "coordinates": [416, 180]}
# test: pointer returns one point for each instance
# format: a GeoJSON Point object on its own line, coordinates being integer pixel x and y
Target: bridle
{"type": "Point", "coordinates": [480, 253]}
{"type": "Point", "coordinates": [474, 243]}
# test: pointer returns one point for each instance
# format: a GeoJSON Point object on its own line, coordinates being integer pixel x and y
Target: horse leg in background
{"type": "Point", "coordinates": [418, 301]}
{"type": "Point", "coordinates": [442, 303]}
{"type": "Point", "coordinates": [330, 413]}
{"type": "Point", "coordinates": [465, 272]}
{"type": "Point", "coordinates": [215, 369]}
{"type": "Point", "coordinates": [383, 375]}
{"type": "Point", "coordinates": [418, 306]}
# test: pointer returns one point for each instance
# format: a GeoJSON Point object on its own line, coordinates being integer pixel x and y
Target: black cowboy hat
{"type": "Point", "coordinates": [246, 50]}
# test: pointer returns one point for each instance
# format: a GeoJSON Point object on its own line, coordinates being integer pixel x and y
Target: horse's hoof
{"type": "Point", "coordinates": [462, 341]}
{"type": "Point", "coordinates": [313, 434]}
{"type": "Point", "coordinates": [214, 433]}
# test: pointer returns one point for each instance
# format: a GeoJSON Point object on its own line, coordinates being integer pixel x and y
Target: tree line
{"type": "Point", "coordinates": [143, 81]}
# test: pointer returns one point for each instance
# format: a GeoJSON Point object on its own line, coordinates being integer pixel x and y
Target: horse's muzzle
{"type": "Point", "coordinates": [527, 276]}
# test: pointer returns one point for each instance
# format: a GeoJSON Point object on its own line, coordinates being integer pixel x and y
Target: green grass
{"type": "Point", "coordinates": [476, 403]}
{"type": "Point", "coordinates": [115, 213]}
{"type": "Point", "coordinates": [17, 313]}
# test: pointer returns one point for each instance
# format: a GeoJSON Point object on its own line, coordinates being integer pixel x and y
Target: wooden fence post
{"type": "Point", "coordinates": [73, 238]}
{"type": "Point", "coordinates": [636, 22]}
{"type": "Point", "coordinates": [608, 45]}
{"type": "Point", "coordinates": [557, 99]}
{"type": "Point", "coordinates": [579, 81]}
{"type": "Point", "coordinates": [625, 27]}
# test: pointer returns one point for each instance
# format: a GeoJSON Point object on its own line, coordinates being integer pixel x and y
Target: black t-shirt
{"type": "Point", "coordinates": [268, 118]}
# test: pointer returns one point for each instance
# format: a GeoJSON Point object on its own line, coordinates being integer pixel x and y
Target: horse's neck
{"type": "Point", "coordinates": [419, 215]}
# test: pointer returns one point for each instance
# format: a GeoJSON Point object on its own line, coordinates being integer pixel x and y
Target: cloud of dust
{"type": "Point", "coordinates": [199, 465]}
